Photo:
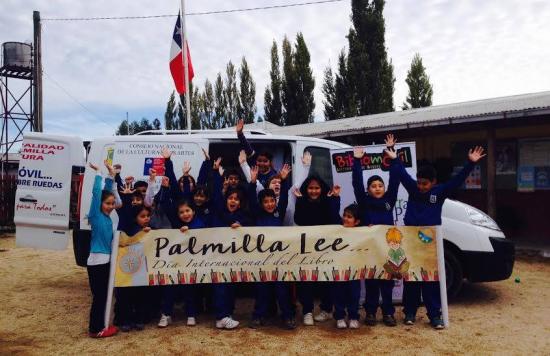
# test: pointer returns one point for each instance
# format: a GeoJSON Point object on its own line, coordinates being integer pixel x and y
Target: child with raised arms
{"type": "Point", "coordinates": [270, 212]}
{"type": "Point", "coordinates": [98, 263]}
{"type": "Point", "coordinates": [426, 199]}
{"type": "Point", "coordinates": [376, 205]}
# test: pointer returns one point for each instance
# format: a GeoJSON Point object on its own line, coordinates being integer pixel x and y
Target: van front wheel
{"type": "Point", "coordinates": [454, 273]}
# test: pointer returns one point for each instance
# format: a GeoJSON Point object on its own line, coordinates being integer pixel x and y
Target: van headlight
{"type": "Point", "coordinates": [479, 218]}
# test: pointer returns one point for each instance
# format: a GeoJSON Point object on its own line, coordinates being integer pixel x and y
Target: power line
{"type": "Point", "coordinates": [191, 13]}
{"type": "Point", "coordinates": [76, 100]}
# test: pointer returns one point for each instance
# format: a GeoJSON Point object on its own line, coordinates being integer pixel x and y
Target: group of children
{"type": "Point", "coordinates": [221, 198]}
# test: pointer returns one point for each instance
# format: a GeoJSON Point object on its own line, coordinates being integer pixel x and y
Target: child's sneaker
{"type": "Point", "coordinates": [322, 316]}
{"type": "Point", "coordinates": [227, 323]}
{"type": "Point", "coordinates": [191, 321]}
{"type": "Point", "coordinates": [389, 320]}
{"type": "Point", "coordinates": [409, 319]}
{"type": "Point", "coordinates": [108, 331]}
{"type": "Point", "coordinates": [308, 319]}
{"type": "Point", "coordinates": [354, 324]}
{"type": "Point", "coordinates": [164, 321]}
{"type": "Point", "coordinates": [126, 328]}
{"type": "Point", "coordinates": [139, 326]}
{"type": "Point", "coordinates": [290, 324]}
{"type": "Point", "coordinates": [341, 324]}
{"type": "Point", "coordinates": [437, 323]}
{"type": "Point", "coordinates": [370, 319]}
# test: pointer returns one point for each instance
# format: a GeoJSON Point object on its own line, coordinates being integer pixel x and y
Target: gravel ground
{"type": "Point", "coordinates": [45, 300]}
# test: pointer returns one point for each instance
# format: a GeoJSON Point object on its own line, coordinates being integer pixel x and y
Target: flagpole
{"type": "Point", "coordinates": [185, 65]}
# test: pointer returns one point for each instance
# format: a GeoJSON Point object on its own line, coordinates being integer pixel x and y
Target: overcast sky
{"type": "Point", "coordinates": [472, 50]}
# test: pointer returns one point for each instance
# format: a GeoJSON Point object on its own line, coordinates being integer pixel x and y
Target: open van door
{"type": "Point", "coordinates": [43, 196]}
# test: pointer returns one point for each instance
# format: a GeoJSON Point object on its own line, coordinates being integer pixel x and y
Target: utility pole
{"type": "Point", "coordinates": [37, 59]}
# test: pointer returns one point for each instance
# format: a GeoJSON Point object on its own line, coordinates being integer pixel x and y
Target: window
{"type": "Point", "coordinates": [321, 163]}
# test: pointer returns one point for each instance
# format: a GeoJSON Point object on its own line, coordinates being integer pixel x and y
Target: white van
{"type": "Point", "coordinates": [54, 191]}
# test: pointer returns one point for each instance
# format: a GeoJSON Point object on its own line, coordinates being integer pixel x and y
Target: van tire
{"type": "Point", "coordinates": [454, 273]}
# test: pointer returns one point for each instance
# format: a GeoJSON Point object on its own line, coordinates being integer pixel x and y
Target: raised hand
{"type": "Point", "coordinates": [335, 191]}
{"type": "Point", "coordinates": [253, 174]}
{"type": "Point", "coordinates": [127, 189]}
{"type": "Point", "coordinates": [152, 175]}
{"type": "Point", "coordinates": [306, 158]}
{"type": "Point", "coordinates": [129, 180]}
{"type": "Point", "coordinates": [297, 193]}
{"type": "Point", "coordinates": [242, 157]}
{"type": "Point", "coordinates": [358, 151]}
{"type": "Point", "coordinates": [205, 153]}
{"type": "Point", "coordinates": [184, 228]}
{"type": "Point", "coordinates": [240, 125]}
{"type": "Point", "coordinates": [117, 168]}
{"type": "Point", "coordinates": [391, 153]}
{"type": "Point", "coordinates": [225, 184]}
{"type": "Point", "coordinates": [285, 171]}
{"type": "Point", "coordinates": [166, 153]}
{"type": "Point", "coordinates": [475, 154]}
{"type": "Point", "coordinates": [217, 164]}
{"type": "Point", "coordinates": [109, 167]}
{"type": "Point", "coordinates": [186, 168]}
{"type": "Point", "coordinates": [94, 167]}
{"type": "Point", "coordinates": [390, 140]}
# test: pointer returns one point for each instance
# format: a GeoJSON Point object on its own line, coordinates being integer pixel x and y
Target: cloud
{"type": "Point", "coordinates": [471, 49]}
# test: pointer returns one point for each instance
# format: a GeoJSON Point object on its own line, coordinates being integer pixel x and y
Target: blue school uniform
{"type": "Point", "coordinates": [377, 211]}
{"type": "Point", "coordinates": [169, 292]}
{"type": "Point", "coordinates": [345, 294]}
{"type": "Point", "coordinates": [424, 209]}
{"type": "Point", "coordinates": [224, 293]}
{"type": "Point", "coordinates": [264, 290]}
{"type": "Point", "coordinates": [251, 154]}
{"type": "Point", "coordinates": [323, 211]}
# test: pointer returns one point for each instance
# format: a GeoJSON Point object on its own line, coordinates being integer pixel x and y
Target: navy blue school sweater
{"type": "Point", "coordinates": [323, 211]}
{"type": "Point", "coordinates": [262, 217]}
{"type": "Point", "coordinates": [220, 216]}
{"type": "Point", "coordinates": [251, 154]}
{"type": "Point", "coordinates": [424, 209]}
{"type": "Point", "coordinates": [196, 223]}
{"type": "Point", "coordinates": [376, 211]}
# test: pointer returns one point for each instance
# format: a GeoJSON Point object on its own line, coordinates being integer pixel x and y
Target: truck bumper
{"type": "Point", "coordinates": [490, 266]}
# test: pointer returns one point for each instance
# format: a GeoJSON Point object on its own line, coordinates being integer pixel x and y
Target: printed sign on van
{"type": "Point", "coordinates": [373, 163]}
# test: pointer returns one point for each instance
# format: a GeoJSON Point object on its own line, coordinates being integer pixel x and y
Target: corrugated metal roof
{"type": "Point", "coordinates": [479, 110]}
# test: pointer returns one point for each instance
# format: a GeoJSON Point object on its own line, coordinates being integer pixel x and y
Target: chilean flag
{"type": "Point", "coordinates": [176, 60]}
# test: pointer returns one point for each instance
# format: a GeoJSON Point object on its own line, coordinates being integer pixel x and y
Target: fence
{"type": "Point", "coordinates": [8, 184]}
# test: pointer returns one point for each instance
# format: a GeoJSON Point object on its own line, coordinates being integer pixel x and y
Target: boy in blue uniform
{"type": "Point", "coordinates": [426, 199]}
{"type": "Point", "coordinates": [268, 212]}
{"type": "Point", "coordinates": [376, 205]}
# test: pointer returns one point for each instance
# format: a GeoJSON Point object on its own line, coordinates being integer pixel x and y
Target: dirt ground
{"type": "Point", "coordinates": [44, 305]}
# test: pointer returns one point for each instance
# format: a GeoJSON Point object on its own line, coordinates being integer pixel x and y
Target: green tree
{"type": "Point", "coordinates": [272, 97]}
{"type": "Point", "coordinates": [231, 95]}
{"type": "Point", "coordinates": [219, 103]}
{"type": "Point", "coordinates": [170, 113]}
{"type": "Point", "coordinates": [207, 104]}
{"type": "Point", "coordinates": [368, 66]}
{"type": "Point", "coordinates": [156, 124]}
{"type": "Point", "coordinates": [330, 104]}
{"type": "Point", "coordinates": [123, 129]}
{"type": "Point", "coordinates": [247, 94]}
{"type": "Point", "coordinates": [289, 85]}
{"type": "Point", "coordinates": [420, 88]}
{"type": "Point", "coordinates": [305, 83]}
{"type": "Point", "coordinates": [195, 110]}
